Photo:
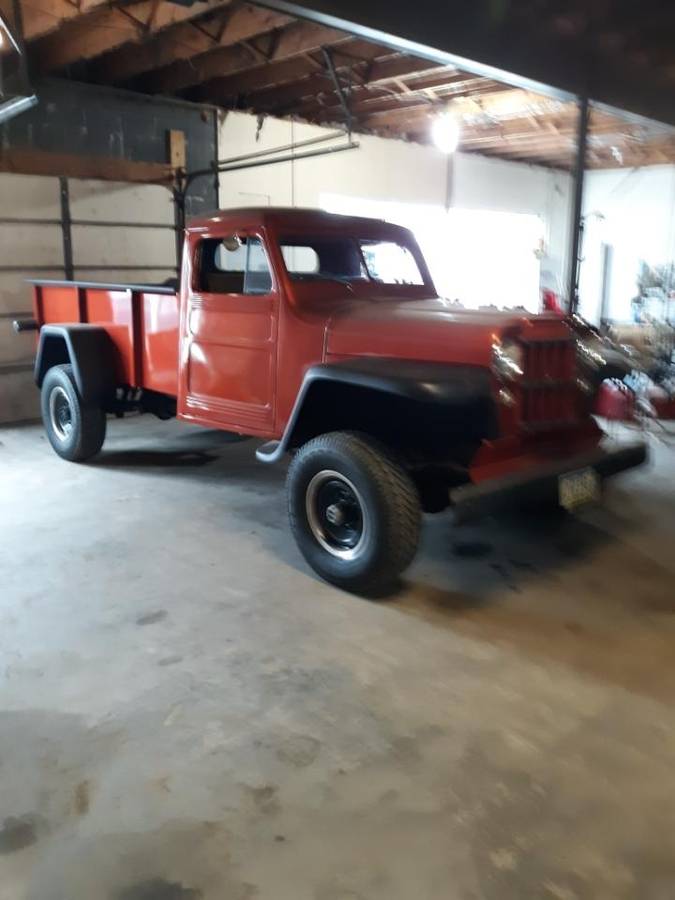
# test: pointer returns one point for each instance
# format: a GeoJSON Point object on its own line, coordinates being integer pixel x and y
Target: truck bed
{"type": "Point", "coordinates": [141, 320]}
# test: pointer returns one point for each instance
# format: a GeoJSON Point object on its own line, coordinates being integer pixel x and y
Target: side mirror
{"type": "Point", "coordinates": [232, 243]}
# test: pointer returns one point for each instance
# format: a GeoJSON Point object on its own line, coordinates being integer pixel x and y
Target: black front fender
{"type": "Point", "coordinates": [418, 385]}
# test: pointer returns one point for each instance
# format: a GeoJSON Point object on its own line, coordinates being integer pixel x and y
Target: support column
{"type": "Point", "coordinates": [574, 262]}
{"type": "Point", "coordinates": [66, 229]}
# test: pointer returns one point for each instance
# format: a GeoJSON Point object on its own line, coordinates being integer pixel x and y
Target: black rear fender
{"type": "Point", "coordinates": [88, 349]}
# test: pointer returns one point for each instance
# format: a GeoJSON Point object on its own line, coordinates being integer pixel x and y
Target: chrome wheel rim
{"type": "Point", "coordinates": [60, 414]}
{"type": "Point", "coordinates": [336, 514]}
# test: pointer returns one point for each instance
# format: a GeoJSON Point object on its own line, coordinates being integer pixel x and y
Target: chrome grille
{"type": "Point", "coordinates": [548, 391]}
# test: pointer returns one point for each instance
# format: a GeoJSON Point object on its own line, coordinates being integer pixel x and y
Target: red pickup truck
{"type": "Point", "coordinates": [324, 335]}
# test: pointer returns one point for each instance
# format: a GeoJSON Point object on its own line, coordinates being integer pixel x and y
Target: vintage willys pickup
{"type": "Point", "coordinates": [324, 335]}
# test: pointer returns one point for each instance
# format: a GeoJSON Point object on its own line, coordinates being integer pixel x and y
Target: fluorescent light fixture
{"type": "Point", "coordinates": [15, 106]}
{"type": "Point", "coordinates": [445, 132]}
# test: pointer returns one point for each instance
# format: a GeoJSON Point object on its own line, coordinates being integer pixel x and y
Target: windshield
{"type": "Point", "coordinates": [349, 259]}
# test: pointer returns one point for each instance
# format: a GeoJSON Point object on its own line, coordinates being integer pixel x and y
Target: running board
{"type": "Point", "coordinates": [270, 452]}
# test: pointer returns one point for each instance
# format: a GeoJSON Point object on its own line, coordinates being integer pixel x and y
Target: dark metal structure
{"type": "Point", "coordinates": [538, 45]}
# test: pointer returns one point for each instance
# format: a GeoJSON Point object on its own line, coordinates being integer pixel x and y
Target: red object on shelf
{"type": "Point", "coordinates": [664, 405]}
{"type": "Point", "coordinates": [550, 302]}
{"type": "Point", "coordinates": [615, 401]}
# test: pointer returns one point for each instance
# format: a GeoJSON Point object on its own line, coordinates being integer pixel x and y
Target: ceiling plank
{"type": "Point", "coordinates": [365, 102]}
{"type": "Point", "coordinates": [185, 41]}
{"type": "Point", "coordinates": [282, 73]}
{"type": "Point", "coordinates": [295, 40]}
{"type": "Point", "coordinates": [104, 29]}
{"type": "Point", "coordinates": [375, 73]}
{"type": "Point", "coordinates": [42, 16]}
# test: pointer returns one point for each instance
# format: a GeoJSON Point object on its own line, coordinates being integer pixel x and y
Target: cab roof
{"type": "Point", "coordinates": [292, 218]}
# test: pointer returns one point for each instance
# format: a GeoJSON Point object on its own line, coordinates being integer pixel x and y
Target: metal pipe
{"type": "Point", "coordinates": [112, 268]}
{"type": "Point", "coordinates": [29, 267]}
{"type": "Point", "coordinates": [10, 220]}
{"type": "Point", "coordinates": [342, 96]}
{"type": "Point", "coordinates": [333, 135]}
{"type": "Point", "coordinates": [574, 263]}
{"type": "Point", "coordinates": [216, 180]}
{"type": "Point", "coordinates": [352, 145]}
{"type": "Point", "coordinates": [21, 325]}
{"type": "Point", "coordinates": [88, 223]}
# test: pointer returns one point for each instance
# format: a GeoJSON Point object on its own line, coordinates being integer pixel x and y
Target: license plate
{"type": "Point", "coordinates": [576, 489]}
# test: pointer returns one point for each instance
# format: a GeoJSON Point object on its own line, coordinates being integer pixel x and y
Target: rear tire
{"type": "Point", "coordinates": [75, 430]}
{"type": "Point", "coordinates": [354, 511]}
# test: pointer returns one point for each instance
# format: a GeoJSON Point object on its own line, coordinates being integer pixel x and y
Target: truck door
{"type": "Point", "coordinates": [229, 336]}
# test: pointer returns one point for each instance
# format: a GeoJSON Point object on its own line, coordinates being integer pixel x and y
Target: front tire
{"type": "Point", "coordinates": [354, 512]}
{"type": "Point", "coordinates": [75, 430]}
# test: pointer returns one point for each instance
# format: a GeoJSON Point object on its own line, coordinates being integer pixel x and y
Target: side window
{"type": "Point", "coordinates": [234, 265]}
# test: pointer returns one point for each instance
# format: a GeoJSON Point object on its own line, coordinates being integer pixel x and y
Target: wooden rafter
{"type": "Point", "coordinates": [42, 16]}
{"type": "Point", "coordinates": [301, 96]}
{"type": "Point", "coordinates": [295, 40]}
{"type": "Point", "coordinates": [186, 41]}
{"type": "Point", "coordinates": [103, 29]}
{"type": "Point", "coordinates": [371, 101]}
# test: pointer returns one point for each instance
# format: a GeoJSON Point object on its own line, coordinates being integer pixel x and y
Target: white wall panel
{"type": "Point", "coordinates": [394, 170]}
{"type": "Point", "coordinates": [632, 210]}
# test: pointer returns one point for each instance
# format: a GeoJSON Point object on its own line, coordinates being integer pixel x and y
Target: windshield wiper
{"type": "Point", "coordinates": [319, 276]}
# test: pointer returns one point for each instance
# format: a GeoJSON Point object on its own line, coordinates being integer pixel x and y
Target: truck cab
{"type": "Point", "coordinates": [324, 336]}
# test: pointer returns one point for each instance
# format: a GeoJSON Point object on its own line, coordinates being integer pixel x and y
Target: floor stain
{"type": "Point", "coordinates": [299, 750]}
{"type": "Point", "coordinates": [17, 833]}
{"type": "Point", "coordinates": [81, 798]}
{"type": "Point", "coordinates": [159, 889]}
{"type": "Point", "coordinates": [151, 618]}
{"type": "Point", "coordinates": [170, 660]}
{"type": "Point", "coordinates": [265, 798]}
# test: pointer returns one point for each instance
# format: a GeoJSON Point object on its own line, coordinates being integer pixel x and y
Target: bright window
{"type": "Point", "coordinates": [349, 259]}
{"type": "Point", "coordinates": [477, 256]}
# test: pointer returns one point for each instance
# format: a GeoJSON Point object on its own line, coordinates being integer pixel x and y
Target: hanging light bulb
{"type": "Point", "coordinates": [445, 132]}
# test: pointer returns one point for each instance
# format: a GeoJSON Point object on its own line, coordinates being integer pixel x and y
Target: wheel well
{"type": "Point", "coordinates": [53, 352]}
{"type": "Point", "coordinates": [428, 428]}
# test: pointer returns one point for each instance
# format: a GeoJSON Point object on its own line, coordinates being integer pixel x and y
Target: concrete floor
{"type": "Point", "coordinates": [186, 713]}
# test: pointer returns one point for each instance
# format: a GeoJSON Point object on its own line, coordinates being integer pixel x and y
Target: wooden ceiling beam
{"type": "Point", "coordinates": [375, 72]}
{"type": "Point", "coordinates": [296, 39]}
{"type": "Point", "coordinates": [184, 41]}
{"type": "Point", "coordinates": [102, 30]}
{"type": "Point", "coordinates": [243, 80]}
{"type": "Point", "coordinates": [371, 102]}
{"type": "Point", "coordinates": [42, 16]}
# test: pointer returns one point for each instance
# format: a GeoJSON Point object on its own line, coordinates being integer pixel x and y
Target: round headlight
{"type": "Point", "coordinates": [508, 359]}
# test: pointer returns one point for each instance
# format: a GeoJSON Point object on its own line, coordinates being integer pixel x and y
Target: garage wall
{"type": "Point", "coordinates": [29, 247]}
{"type": "Point", "coordinates": [88, 120]}
{"type": "Point", "coordinates": [395, 170]}
{"type": "Point", "coordinates": [632, 211]}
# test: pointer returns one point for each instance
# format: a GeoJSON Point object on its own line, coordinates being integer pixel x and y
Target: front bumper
{"type": "Point", "coordinates": [539, 483]}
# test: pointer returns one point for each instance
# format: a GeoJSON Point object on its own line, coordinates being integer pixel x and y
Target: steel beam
{"type": "Point", "coordinates": [574, 262]}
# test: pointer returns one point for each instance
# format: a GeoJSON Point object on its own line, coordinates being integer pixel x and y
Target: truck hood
{"type": "Point", "coordinates": [429, 329]}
